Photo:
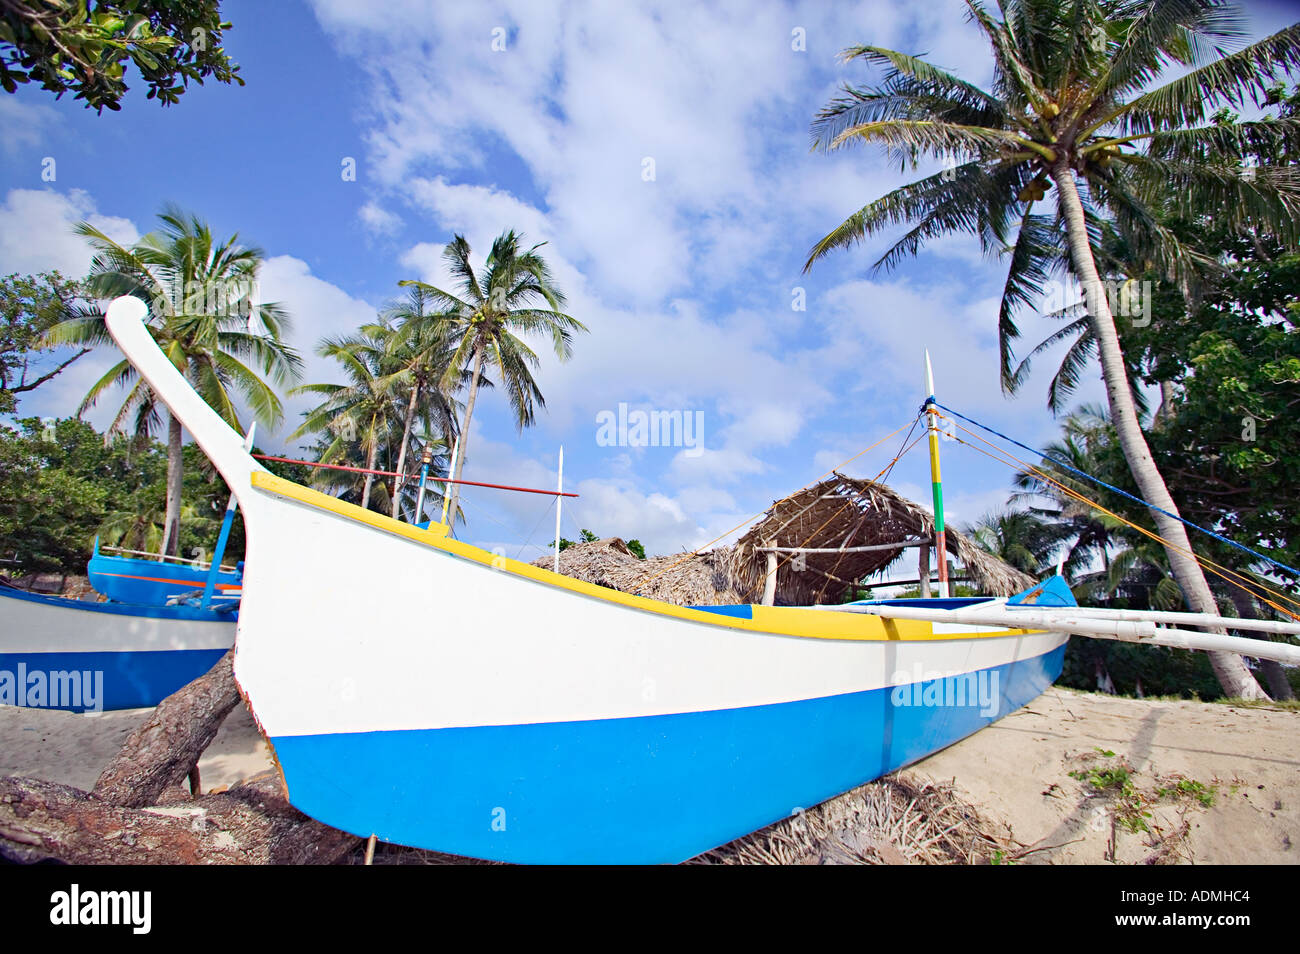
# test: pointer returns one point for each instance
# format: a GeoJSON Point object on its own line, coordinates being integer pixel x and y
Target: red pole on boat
{"type": "Point", "coordinates": [390, 473]}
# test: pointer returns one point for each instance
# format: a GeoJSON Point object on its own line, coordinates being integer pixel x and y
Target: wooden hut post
{"type": "Point", "coordinates": [769, 581]}
{"type": "Point", "coordinates": [923, 570]}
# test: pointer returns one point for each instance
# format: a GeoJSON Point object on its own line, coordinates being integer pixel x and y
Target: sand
{"type": "Point", "coordinates": [1016, 772]}
{"type": "Point", "coordinates": [73, 749]}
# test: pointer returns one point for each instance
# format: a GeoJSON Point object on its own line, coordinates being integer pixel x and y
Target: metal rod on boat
{"type": "Point", "coordinates": [936, 481]}
{"type": "Point", "coordinates": [210, 586]}
{"type": "Point", "coordinates": [559, 502]}
{"type": "Point", "coordinates": [451, 469]}
{"type": "Point", "coordinates": [424, 481]}
{"type": "Point", "coordinates": [1065, 620]}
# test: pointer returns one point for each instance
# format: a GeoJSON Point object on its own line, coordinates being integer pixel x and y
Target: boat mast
{"type": "Point", "coordinates": [936, 481]}
{"type": "Point", "coordinates": [559, 501]}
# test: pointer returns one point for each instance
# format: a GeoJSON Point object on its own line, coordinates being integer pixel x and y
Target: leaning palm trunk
{"type": "Point", "coordinates": [401, 453]}
{"type": "Point", "coordinates": [1235, 678]}
{"type": "Point", "coordinates": [464, 433]}
{"type": "Point", "coordinates": [172, 521]}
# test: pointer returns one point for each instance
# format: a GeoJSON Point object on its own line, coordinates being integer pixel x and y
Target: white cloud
{"type": "Point", "coordinates": [25, 124]}
{"type": "Point", "coordinates": [36, 231]}
{"type": "Point", "coordinates": [379, 220]}
{"type": "Point", "coordinates": [317, 309]}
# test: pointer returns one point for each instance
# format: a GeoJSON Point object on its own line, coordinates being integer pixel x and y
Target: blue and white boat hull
{"type": "Point", "coordinates": [67, 654]}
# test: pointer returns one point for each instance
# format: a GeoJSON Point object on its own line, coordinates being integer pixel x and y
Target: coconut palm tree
{"type": "Point", "coordinates": [1074, 109]}
{"type": "Point", "coordinates": [203, 311]}
{"type": "Point", "coordinates": [514, 296]}
{"type": "Point", "coordinates": [361, 414]}
{"type": "Point", "coordinates": [1019, 538]}
{"type": "Point", "coordinates": [419, 355]}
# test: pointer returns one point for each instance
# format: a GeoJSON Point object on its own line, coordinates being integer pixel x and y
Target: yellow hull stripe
{"type": "Point", "coordinates": [779, 620]}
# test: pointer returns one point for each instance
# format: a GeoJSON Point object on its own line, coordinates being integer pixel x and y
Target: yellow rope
{"type": "Point", "coordinates": [1206, 564]}
{"type": "Point", "coordinates": [726, 533]}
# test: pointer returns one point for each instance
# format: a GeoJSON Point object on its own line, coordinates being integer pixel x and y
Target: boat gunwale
{"type": "Point", "coordinates": [789, 621]}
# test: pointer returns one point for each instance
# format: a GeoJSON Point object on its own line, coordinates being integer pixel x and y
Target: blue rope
{"type": "Point", "coordinates": [1123, 493]}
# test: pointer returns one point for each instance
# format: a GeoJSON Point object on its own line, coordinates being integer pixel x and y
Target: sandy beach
{"type": "Point", "coordinates": [1239, 802]}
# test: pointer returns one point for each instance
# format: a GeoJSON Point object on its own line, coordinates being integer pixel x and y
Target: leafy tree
{"type": "Point", "coordinates": [30, 305]}
{"type": "Point", "coordinates": [84, 46]}
{"type": "Point", "coordinates": [637, 548]}
{"type": "Point", "coordinates": [1077, 107]}
{"type": "Point", "coordinates": [514, 296]}
{"type": "Point", "coordinates": [202, 299]}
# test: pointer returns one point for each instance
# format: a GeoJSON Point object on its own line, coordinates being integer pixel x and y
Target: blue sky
{"type": "Point", "coordinates": [686, 281]}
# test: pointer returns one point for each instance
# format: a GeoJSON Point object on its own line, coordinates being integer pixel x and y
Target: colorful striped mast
{"type": "Point", "coordinates": [936, 481]}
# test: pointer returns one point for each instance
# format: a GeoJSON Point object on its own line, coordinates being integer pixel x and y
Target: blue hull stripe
{"type": "Point", "coordinates": [637, 790]}
{"type": "Point", "coordinates": [131, 680]}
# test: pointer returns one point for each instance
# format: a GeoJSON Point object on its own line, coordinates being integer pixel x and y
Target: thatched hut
{"type": "Point", "coordinates": [820, 540]}
{"type": "Point", "coordinates": [842, 531]}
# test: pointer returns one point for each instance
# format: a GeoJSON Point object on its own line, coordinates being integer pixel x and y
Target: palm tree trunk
{"type": "Point", "coordinates": [401, 454]}
{"type": "Point", "coordinates": [464, 433]}
{"type": "Point", "coordinates": [1236, 680]}
{"type": "Point", "coordinates": [172, 521]}
{"type": "Point", "coordinates": [370, 478]}
{"type": "Point", "coordinates": [1278, 685]}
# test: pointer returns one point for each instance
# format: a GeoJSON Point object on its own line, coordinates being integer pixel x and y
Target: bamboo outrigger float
{"type": "Point", "coordinates": [434, 694]}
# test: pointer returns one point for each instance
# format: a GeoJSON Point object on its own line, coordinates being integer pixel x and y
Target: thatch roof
{"type": "Point", "coordinates": [836, 513]}
{"type": "Point", "coordinates": [697, 580]}
{"type": "Point", "coordinates": [849, 512]}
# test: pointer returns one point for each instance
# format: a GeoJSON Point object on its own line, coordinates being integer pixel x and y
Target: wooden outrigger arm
{"type": "Point", "coordinates": [1128, 626]}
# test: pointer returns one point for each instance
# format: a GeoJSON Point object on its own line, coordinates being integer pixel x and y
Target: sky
{"type": "Point", "coordinates": [661, 151]}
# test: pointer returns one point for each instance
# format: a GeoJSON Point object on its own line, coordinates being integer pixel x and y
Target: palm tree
{"type": "Point", "coordinates": [1019, 538]}
{"type": "Point", "coordinates": [1085, 445]}
{"type": "Point", "coordinates": [202, 297]}
{"type": "Point", "coordinates": [1071, 108]}
{"type": "Point", "coordinates": [489, 312]}
{"type": "Point", "coordinates": [419, 355]}
{"type": "Point", "coordinates": [361, 413]}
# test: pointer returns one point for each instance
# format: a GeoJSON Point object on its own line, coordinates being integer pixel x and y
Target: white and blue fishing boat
{"type": "Point", "coordinates": [157, 581]}
{"type": "Point", "coordinates": [58, 653]}
{"type": "Point", "coordinates": [533, 717]}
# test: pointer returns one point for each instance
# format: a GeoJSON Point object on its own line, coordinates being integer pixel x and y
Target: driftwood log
{"type": "Point", "coordinates": [139, 813]}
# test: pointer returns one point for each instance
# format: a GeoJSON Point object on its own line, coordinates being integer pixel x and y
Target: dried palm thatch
{"type": "Point", "coordinates": [699, 579]}
{"type": "Point", "coordinates": [897, 820]}
{"type": "Point", "coordinates": [836, 513]}
{"type": "Point", "coordinates": [844, 512]}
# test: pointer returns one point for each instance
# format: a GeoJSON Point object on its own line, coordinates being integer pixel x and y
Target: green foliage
{"type": "Point", "coordinates": [61, 485]}
{"type": "Point", "coordinates": [637, 548]}
{"type": "Point", "coordinates": [84, 46]}
{"type": "Point", "coordinates": [58, 482]}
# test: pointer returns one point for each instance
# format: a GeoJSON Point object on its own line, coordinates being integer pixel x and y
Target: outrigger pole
{"type": "Point", "coordinates": [936, 481]}
{"type": "Point", "coordinates": [1096, 623]}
